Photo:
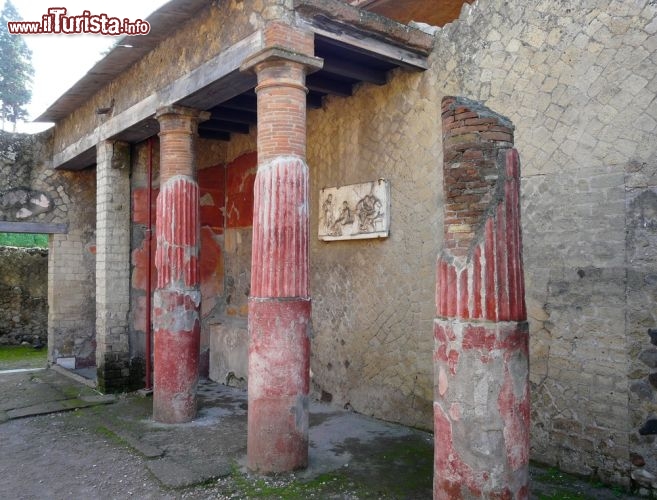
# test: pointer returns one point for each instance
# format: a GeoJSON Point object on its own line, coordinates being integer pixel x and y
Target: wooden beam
{"type": "Point", "coordinates": [352, 70]}
{"type": "Point", "coordinates": [213, 81]}
{"type": "Point", "coordinates": [372, 47]}
{"type": "Point", "coordinates": [234, 115]}
{"type": "Point", "coordinates": [340, 18]}
{"type": "Point", "coordinates": [209, 134]}
{"type": "Point", "coordinates": [224, 126]}
{"type": "Point", "coordinates": [33, 228]}
{"type": "Point", "coordinates": [317, 83]}
{"type": "Point", "coordinates": [314, 100]}
{"type": "Point", "coordinates": [244, 102]}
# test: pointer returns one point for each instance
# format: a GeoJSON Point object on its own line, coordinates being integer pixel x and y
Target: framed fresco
{"type": "Point", "coordinates": [355, 211]}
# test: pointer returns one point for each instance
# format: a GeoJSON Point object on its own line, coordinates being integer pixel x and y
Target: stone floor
{"type": "Point", "coordinates": [60, 439]}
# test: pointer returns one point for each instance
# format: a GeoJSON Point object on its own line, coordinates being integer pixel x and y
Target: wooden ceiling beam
{"type": "Point", "coordinates": [224, 126]}
{"type": "Point", "coordinates": [234, 115]}
{"type": "Point", "coordinates": [356, 71]}
{"type": "Point", "coordinates": [208, 134]}
{"type": "Point", "coordinates": [317, 83]}
{"type": "Point", "coordinates": [314, 100]}
{"type": "Point", "coordinates": [242, 102]}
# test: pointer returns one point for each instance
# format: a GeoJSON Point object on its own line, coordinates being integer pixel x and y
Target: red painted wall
{"type": "Point", "coordinates": [226, 201]}
{"type": "Point", "coordinates": [240, 176]}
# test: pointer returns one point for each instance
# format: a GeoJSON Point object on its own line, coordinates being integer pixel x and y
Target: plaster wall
{"type": "Point", "coordinates": [578, 80]}
{"type": "Point", "coordinates": [226, 172]}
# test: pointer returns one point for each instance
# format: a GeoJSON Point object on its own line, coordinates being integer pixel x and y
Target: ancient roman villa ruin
{"type": "Point", "coordinates": [442, 214]}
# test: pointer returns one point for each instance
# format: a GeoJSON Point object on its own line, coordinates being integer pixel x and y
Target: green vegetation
{"type": "Point", "coordinates": [22, 356]}
{"type": "Point", "coordinates": [329, 485]}
{"type": "Point", "coordinates": [413, 463]}
{"type": "Point", "coordinates": [16, 70]}
{"type": "Point", "coordinates": [552, 484]}
{"type": "Point", "coordinates": [24, 240]}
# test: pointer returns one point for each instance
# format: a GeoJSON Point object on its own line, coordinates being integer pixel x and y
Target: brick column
{"type": "Point", "coordinates": [279, 306]}
{"type": "Point", "coordinates": [177, 298]}
{"type": "Point", "coordinates": [112, 265]}
{"type": "Point", "coordinates": [481, 370]}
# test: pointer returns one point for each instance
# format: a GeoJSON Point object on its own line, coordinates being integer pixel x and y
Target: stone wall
{"type": "Point", "coordinates": [578, 80]}
{"type": "Point", "coordinates": [373, 300]}
{"type": "Point", "coordinates": [31, 191]}
{"type": "Point", "coordinates": [23, 295]}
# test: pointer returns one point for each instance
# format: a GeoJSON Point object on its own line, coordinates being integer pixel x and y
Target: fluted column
{"type": "Point", "coordinates": [177, 298]}
{"type": "Point", "coordinates": [279, 306]}
{"type": "Point", "coordinates": [481, 370]}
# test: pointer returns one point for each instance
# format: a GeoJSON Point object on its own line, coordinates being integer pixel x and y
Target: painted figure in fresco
{"type": "Point", "coordinates": [368, 209]}
{"type": "Point", "coordinates": [346, 218]}
{"type": "Point", "coordinates": [327, 209]}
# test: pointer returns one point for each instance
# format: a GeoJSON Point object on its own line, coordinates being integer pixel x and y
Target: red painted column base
{"type": "Point", "coordinates": [176, 351]}
{"type": "Point", "coordinates": [279, 377]}
{"type": "Point", "coordinates": [481, 410]}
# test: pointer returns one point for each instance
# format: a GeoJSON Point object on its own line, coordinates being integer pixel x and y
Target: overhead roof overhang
{"type": "Point", "coordinates": [356, 47]}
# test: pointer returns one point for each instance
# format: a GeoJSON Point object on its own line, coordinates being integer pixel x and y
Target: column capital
{"type": "Point", "coordinates": [182, 111]}
{"type": "Point", "coordinates": [278, 55]}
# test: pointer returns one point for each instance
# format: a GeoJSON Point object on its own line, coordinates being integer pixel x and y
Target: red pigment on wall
{"type": "Point", "coordinates": [240, 179]}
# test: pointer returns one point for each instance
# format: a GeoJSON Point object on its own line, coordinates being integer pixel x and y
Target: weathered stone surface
{"type": "Point", "coordinates": [32, 192]}
{"type": "Point", "coordinates": [649, 357]}
{"type": "Point", "coordinates": [23, 295]}
{"type": "Point", "coordinates": [650, 427]}
{"type": "Point", "coordinates": [112, 265]}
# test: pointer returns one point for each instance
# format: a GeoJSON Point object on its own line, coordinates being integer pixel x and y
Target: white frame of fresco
{"type": "Point", "coordinates": [355, 211]}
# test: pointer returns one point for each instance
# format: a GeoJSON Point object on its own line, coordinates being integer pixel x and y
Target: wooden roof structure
{"type": "Point", "coordinates": [356, 46]}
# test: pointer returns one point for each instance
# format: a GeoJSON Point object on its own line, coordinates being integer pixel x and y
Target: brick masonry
{"type": "Point", "coordinates": [481, 371]}
{"type": "Point", "coordinates": [279, 303]}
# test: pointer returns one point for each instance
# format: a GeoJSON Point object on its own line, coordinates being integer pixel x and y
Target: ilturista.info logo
{"type": "Point", "coordinates": [56, 21]}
